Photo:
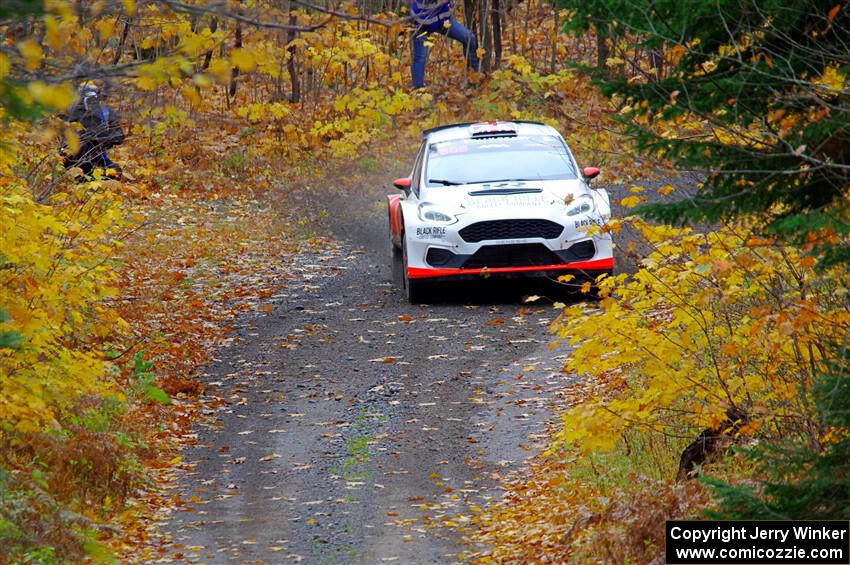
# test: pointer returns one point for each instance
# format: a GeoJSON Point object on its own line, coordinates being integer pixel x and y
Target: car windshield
{"type": "Point", "coordinates": [469, 161]}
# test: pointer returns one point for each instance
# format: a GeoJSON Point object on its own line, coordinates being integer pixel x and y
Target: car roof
{"type": "Point", "coordinates": [455, 132]}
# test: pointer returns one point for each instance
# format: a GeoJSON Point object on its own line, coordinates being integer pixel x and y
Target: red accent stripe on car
{"type": "Point", "coordinates": [595, 265]}
{"type": "Point", "coordinates": [393, 201]}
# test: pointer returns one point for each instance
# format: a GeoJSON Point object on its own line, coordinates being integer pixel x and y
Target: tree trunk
{"type": "Point", "coordinates": [513, 20]}
{"type": "Point", "coordinates": [525, 42]}
{"type": "Point", "coordinates": [656, 58]}
{"type": "Point", "coordinates": [708, 442]}
{"type": "Point", "coordinates": [553, 60]}
{"type": "Point", "coordinates": [234, 73]}
{"type": "Point", "coordinates": [496, 14]}
{"type": "Point", "coordinates": [603, 52]}
{"type": "Point", "coordinates": [208, 56]}
{"type": "Point", "coordinates": [486, 35]}
{"type": "Point", "coordinates": [469, 14]}
{"type": "Point", "coordinates": [120, 49]}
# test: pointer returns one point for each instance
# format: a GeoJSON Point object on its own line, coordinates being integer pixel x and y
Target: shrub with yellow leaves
{"type": "Point", "coordinates": [55, 281]}
{"type": "Point", "coordinates": [713, 322]}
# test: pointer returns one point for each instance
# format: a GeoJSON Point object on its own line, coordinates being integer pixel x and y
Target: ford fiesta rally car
{"type": "Point", "coordinates": [497, 199]}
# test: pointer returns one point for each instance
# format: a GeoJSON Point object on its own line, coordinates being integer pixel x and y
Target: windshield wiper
{"type": "Point", "coordinates": [445, 182]}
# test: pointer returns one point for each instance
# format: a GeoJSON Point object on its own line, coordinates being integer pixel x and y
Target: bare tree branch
{"type": "Point", "coordinates": [219, 11]}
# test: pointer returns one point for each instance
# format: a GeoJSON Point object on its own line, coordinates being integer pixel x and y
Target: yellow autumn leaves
{"type": "Point", "coordinates": [51, 96]}
{"type": "Point", "coordinates": [55, 248]}
{"type": "Point", "coordinates": [363, 115]}
{"type": "Point", "coordinates": [711, 321]}
{"type": "Point", "coordinates": [55, 279]}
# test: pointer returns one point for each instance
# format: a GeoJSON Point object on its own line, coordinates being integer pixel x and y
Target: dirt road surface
{"type": "Point", "coordinates": [349, 422]}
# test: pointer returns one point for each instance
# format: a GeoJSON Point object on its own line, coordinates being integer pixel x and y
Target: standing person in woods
{"type": "Point", "coordinates": [101, 132]}
{"type": "Point", "coordinates": [435, 16]}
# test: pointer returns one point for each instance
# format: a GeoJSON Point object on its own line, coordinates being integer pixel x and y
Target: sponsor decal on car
{"type": "Point", "coordinates": [485, 202]}
{"type": "Point", "coordinates": [447, 149]}
{"type": "Point", "coordinates": [431, 232]}
{"type": "Point", "coordinates": [590, 221]}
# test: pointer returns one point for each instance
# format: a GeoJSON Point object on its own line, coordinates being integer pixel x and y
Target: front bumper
{"type": "Point", "coordinates": [442, 253]}
{"type": "Point", "coordinates": [509, 240]}
{"type": "Point", "coordinates": [587, 270]}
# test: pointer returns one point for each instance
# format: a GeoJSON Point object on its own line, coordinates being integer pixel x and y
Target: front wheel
{"type": "Point", "coordinates": [397, 265]}
{"type": "Point", "coordinates": [415, 290]}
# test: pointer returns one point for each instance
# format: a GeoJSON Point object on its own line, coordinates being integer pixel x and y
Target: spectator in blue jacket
{"type": "Point", "coordinates": [101, 131]}
{"type": "Point", "coordinates": [435, 16]}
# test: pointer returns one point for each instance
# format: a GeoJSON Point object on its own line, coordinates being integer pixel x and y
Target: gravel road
{"type": "Point", "coordinates": [350, 422]}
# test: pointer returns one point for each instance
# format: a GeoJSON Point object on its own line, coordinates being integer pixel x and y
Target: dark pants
{"type": "Point", "coordinates": [91, 156]}
{"type": "Point", "coordinates": [456, 31]}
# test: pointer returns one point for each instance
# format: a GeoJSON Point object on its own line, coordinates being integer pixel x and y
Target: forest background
{"type": "Point", "coordinates": [714, 374]}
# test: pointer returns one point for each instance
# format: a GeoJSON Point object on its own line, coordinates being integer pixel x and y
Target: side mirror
{"type": "Point", "coordinates": [402, 183]}
{"type": "Point", "coordinates": [590, 172]}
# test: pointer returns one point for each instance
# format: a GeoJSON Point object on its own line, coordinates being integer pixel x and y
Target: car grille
{"type": "Point", "coordinates": [519, 255]}
{"type": "Point", "coordinates": [510, 229]}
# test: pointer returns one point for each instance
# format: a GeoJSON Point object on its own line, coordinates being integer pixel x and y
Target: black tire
{"type": "Point", "coordinates": [397, 265]}
{"type": "Point", "coordinates": [416, 291]}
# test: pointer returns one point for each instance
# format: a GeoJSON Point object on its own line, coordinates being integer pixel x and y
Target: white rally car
{"type": "Point", "coordinates": [497, 199]}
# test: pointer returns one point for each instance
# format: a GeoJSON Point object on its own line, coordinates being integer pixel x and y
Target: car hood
{"type": "Point", "coordinates": [499, 195]}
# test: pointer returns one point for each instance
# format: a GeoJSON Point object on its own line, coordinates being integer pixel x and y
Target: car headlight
{"type": "Point", "coordinates": [434, 215]}
{"type": "Point", "coordinates": [581, 205]}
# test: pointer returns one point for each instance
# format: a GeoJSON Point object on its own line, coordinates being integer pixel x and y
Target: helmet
{"type": "Point", "coordinates": [88, 92]}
